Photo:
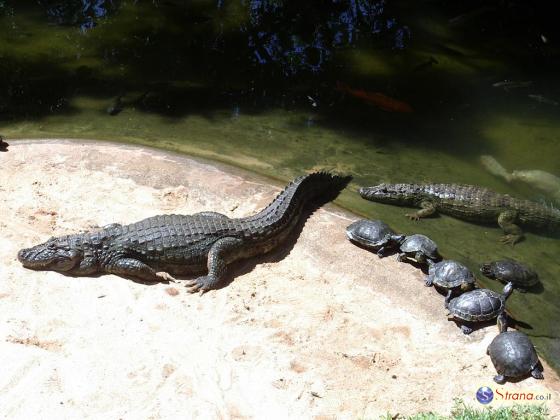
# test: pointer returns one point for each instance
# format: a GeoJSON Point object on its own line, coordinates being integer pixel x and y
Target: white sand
{"type": "Point", "coordinates": [329, 331]}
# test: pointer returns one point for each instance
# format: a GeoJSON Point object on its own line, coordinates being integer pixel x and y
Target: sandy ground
{"type": "Point", "coordinates": [327, 331]}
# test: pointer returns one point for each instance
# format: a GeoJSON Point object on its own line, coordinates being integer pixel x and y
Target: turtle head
{"type": "Point", "coordinates": [487, 269]}
{"type": "Point", "coordinates": [56, 254]}
{"type": "Point", "coordinates": [391, 193]}
{"type": "Point", "coordinates": [466, 286]}
{"type": "Point", "coordinates": [398, 239]}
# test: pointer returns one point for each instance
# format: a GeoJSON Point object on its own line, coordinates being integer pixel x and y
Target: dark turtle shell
{"type": "Point", "coordinates": [450, 274]}
{"type": "Point", "coordinates": [477, 305]}
{"type": "Point", "coordinates": [420, 243]}
{"type": "Point", "coordinates": [370, 233]}
{"type": "Point", "coordinates": [512, 354]}
{"type": "Point", "coordinates": [510, 271]}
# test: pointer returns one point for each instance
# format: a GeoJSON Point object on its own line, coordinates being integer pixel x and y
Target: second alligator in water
{"type": "Point", "coordinates": [469, 202]}
{"type": "Point", "coordinates": [183, 244]}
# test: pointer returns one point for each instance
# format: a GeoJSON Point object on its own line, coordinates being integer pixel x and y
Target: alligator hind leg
{"type": "Point", "coordinates": [221, 254]}
{"type": "Point", "coordinates": [129, 267]}
{"type": "Point", "coordinates": [427, 209]}
{"type": "Point", "coordinates": [513, 233]}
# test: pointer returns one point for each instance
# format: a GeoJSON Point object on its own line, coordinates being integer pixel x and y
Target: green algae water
{"type": "Point", "coordinates": [382, 90]}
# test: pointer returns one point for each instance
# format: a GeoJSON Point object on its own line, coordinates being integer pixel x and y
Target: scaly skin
{"type": "Point", "coordinates": [471, 203]}
{"type": "Point", "coordinates": [182, 244]}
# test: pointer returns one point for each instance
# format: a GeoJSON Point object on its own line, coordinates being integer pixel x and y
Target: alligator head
{"type": "Point", "coordinates": [390, 193]}
{"type": "Point", "coordinates": [56, 254]}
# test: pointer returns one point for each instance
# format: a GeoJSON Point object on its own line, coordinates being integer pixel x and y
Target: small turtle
{"type": "Point", "coordinates": [452, 276]}
{"type": "Point", "coordinates": [512, 271]}
{"type": "Point", "coordinates": [419, 247]}
{"type": "Point", "coordinates": [480, 305]}
{"type": "Point", "coordinates": [513, 355]}
{"type": "Point", "coordinates": [373, 234]}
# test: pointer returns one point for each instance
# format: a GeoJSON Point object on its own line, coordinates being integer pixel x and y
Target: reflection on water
{"type": "Point", "coordinates": [388, 91]}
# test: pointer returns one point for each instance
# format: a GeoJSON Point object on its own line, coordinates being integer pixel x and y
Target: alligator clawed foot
{"type": "Point", "coordinates": [509, 239]}
{"type": "Point", "coordinates": [413, 216]}
{"type": "Point", "coordinates": [163, 276]}
{"type": "Point", "coordinates": [200, 284]}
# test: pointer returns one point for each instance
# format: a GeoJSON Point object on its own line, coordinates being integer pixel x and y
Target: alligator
{"type": "Point", "coordinates": [160, 247]}
{"type": "Point", "coordinates": [470, 203]}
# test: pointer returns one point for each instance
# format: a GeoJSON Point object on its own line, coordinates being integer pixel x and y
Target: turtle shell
{"type": "Point", "coordinates": [415, 243]}
{"type": "Point", "coordinates": [370, 233]}
{"type": "Point", "coordinates": [512, 354]}
{"type": "Point", "coordinates": [510, 271]}
{"type": "Point", "coordinates": [477, 305]}
{"type": "Point", "coordinates": [450, 274]}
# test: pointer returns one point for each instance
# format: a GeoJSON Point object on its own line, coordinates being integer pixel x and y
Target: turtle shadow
{"type": "Point", "coordinates": [517, 379]}
{"type": "Point", "coordinates": [478, 325]}
{"type": "Point", "coordinates": [387, 252]}
{"type": "Point", "coordinates": [475, 326]}
{"type": "Point", "coordinates": [424, 267]}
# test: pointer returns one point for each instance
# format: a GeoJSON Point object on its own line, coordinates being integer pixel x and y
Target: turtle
{"type": "Point", "coordinates": [512, 271]}
{"type": "Point", "coordinates": [420, 248]}
{"type": "Point", "coordinates": [514, 356]}
{"type": "Point", "coordinates": [373, 234]}
{"type": "Point", "coordinates": [452, 276]}
{"type": "Point", "coordinates": [480, 305]}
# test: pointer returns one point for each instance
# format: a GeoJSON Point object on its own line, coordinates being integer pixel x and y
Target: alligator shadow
{"type": "Point", "coordinates": [282, 251]}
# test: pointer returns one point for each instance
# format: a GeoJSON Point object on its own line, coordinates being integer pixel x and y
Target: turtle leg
{"type": "Point", "coordinates": [466, 329]}
{"type": "Point", "coordinates": [427, 208]}
{"type": "Point", "coordinates": [401, 257]}
{"type": "Point", "coordinates": [502, 322]}
{"type": "Point", "coordinates": [500, 379]}
{"type": "Point", "coordinates": [448, 298]}
{"type": "Point", "coordinates": [537, 373]}
{"type": "Point", "coordinates": [381, 252]}
{"type": "Point", "coordinates": [420, 258]}
{"type": "Point", "coordinates": [513, 233]}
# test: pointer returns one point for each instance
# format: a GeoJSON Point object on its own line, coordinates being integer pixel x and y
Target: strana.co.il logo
{"type": "Point", "coordinates": [484, 395]}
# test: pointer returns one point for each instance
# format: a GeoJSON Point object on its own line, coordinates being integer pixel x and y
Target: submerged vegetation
{"type": "Point", "coordinates": [385, 90]}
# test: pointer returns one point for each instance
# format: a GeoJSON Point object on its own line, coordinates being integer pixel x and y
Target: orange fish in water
{"type": "Point", "coordinates": [380, 100]}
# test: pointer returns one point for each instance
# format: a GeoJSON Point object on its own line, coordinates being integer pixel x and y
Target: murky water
{"type": "Point", "coordinates": [281, 90]}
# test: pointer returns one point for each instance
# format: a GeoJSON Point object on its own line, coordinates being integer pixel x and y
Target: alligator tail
{"type": "Point", "coordinates": [317, 186]}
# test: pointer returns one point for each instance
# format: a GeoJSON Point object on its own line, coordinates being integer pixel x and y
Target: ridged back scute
{"type": "Point", "coordinates": [288, 204]}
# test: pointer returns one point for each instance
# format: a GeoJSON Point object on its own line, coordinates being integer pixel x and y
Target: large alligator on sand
{"type": "Point", "coordinates": [471, 203]}
{"type": "Point", "coordinates": [153, 248]}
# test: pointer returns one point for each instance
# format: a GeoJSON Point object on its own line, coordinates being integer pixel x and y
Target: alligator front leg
{"type": "Point", "coordinates": [129, 267]}
{"type": "Point", "coordinates": [513, 233]}
{"type": "Point", "coordinates": [220, 255]}
{"type": "Point", "coordinates": [427, 209]}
